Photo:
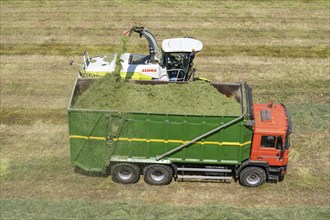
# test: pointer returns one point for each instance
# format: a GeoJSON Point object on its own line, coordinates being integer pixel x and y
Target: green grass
{"type": "Point", "coordinates": [281, 48]}
{"type": "Point", "coordinates": [78, 209]}
{"type": "Point", "coordinates": [310, 117]}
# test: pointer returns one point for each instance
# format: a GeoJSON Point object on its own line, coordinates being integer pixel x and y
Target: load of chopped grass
{"type": "Point", "coordinates": [195, 98]}
{"type": "Point", "coordinates": [121, 49]}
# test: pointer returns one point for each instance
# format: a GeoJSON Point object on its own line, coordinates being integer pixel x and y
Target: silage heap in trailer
{"type": "Point", "coordinates": [194, 98]}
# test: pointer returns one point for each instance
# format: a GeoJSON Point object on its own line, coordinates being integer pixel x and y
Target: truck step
{"type": "Point", "coordinates": [273, 177]}
{"type": "Point", "coordinates": [204, 169]}
{"type": "Point", "coordinates": [205, 177]}
{"type": "Point", "coordinates": [274, 169]}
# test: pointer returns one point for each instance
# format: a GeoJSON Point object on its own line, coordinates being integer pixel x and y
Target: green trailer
{"type": "Point", "coordinates": [166, 146]}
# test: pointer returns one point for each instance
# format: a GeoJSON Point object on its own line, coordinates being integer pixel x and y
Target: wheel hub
{"type": "Point", "coordinates": [157, 175]}
{"type": "Point", "coordinates": [253, 178]}
{"type": "Point", "coordinates": [125, 174]}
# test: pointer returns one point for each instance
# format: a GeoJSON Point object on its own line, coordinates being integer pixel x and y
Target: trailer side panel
{"type": "Point", "coordinates": [145, 136]}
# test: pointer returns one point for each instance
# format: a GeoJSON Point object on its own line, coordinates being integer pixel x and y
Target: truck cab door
{"type": "Point", "coordinates": [270, 148]}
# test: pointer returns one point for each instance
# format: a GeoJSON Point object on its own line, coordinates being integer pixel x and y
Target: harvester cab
{"type": "Point", "coordinates": [177, 57]}
{"type": "Point", "coordinates": [174, 64]}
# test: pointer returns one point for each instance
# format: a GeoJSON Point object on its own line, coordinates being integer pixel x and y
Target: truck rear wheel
{"type": "Point", "coordinates": [158, 174]}
{"type": "Point", "coordinates": [252, 176]}
{"type": "Point", "coordinates": [125, 173]}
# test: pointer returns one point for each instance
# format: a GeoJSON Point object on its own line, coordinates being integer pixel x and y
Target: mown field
{"type": "Point", "coordinates": [281, 48]}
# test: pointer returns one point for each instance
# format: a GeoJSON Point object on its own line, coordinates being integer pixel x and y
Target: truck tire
{"type": "Point", "coordinates": [125, 173]}
{"type": "Point", "coordinates": [252, 176]}
{"type": "Point", "coordinates": [158, 174]}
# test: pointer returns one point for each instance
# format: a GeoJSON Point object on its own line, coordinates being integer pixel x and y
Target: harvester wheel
{"type": "Point", "coordinates": [252, 176]}
{"type": "Point", "coordinates": [125, 173]}
{"type": "Point", "coordinates": [158, 174]}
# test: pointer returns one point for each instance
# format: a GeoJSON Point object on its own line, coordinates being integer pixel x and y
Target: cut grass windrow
{"type": "Point", "coordinates": [29, 116]}
{"type": "Point", "coordinates": [209, 50]}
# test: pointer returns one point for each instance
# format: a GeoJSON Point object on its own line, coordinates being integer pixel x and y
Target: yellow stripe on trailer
{"type": "Point", "coordinates": [88, 137]}
{"type": "Point", "coordinates": [162, 141]}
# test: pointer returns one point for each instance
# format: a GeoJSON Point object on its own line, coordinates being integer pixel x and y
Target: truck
{"type": "Point", "coordinates": [250, 147]}
{"type": "Point", "coordinates": [173, 63]}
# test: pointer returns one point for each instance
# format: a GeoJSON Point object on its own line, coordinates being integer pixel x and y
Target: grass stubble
{"type": "Point", "coordinates": [37, 179]}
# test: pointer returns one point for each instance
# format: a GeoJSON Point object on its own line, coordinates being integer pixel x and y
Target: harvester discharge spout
{"type": "Point", "coordinates": [153, 48]}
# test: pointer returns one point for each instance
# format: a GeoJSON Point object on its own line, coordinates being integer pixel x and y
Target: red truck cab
{"type": "Point", "coordinates": [271, 142]}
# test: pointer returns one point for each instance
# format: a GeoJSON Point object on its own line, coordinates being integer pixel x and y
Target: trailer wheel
{"type": "Point", "coordinates": [125, 173]}
{"type": "Point", "coordinates": [252, 176]}
{"type": "Point", "coordinates": [158, 174]}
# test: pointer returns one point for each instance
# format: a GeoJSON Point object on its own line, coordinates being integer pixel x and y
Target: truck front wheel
{"type": "Point", "coordinates": [125, 173]}
{"type": "Point", "coordinates": [158, 174]}
{"type": "Point", "coordinates": [252, 176]}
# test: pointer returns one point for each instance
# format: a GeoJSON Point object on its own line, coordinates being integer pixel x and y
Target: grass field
{"type": "Point", "coordinates": [281, 48]}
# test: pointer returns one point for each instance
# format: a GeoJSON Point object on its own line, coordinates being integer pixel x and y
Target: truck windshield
{"type": "Point", "coordinates": [272, 142]}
